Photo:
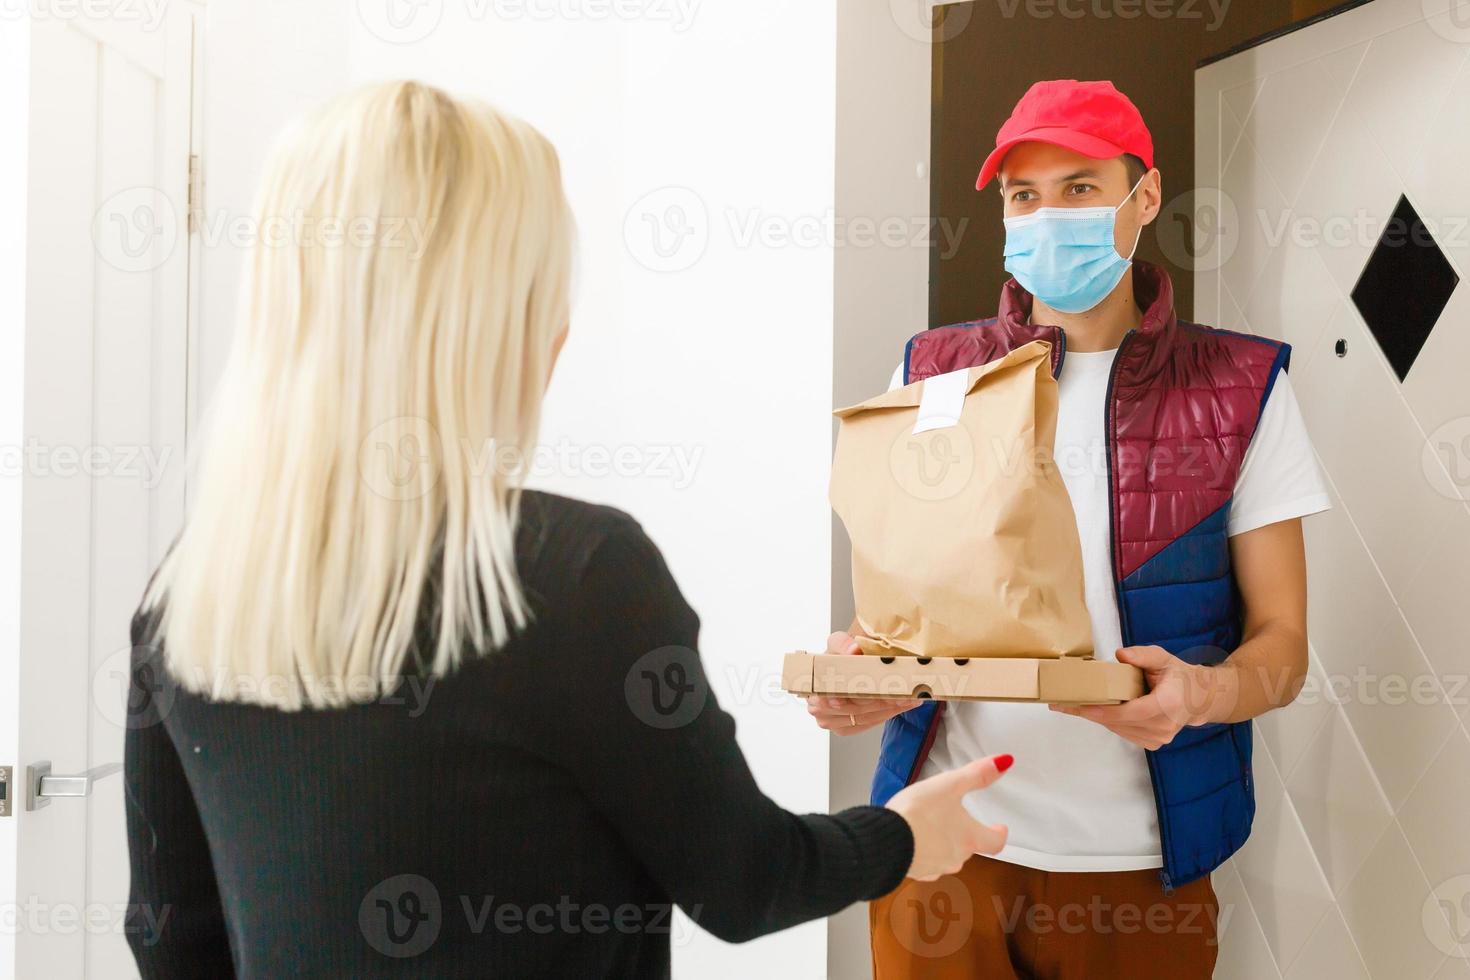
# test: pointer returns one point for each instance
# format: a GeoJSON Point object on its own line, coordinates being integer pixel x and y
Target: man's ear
{"type": "Point", "coordinates": [1151, 196]}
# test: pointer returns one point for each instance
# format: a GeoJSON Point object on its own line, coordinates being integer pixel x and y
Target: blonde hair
{"type": "Point", "coordinates": [391, 352]}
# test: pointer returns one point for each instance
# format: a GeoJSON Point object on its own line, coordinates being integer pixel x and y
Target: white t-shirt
{"type": "Point", "coordinates": [1079, 797]}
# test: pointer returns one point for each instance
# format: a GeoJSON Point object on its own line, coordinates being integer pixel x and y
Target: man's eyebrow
{"type": "Point", "coordinates": [1076, 175]}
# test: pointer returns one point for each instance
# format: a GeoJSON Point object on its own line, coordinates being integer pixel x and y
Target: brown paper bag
{"type": "Point", "coordinates": [964, 542]}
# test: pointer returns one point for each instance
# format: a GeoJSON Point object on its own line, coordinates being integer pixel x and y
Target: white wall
{"type": "Point", "coordinates": [14, 149]}
{"type": "Point", "coordinates": [719, 349]}
{"type": "Point", "coordinates": [265, 61]}
{"type": "Point", "coordinates": [1359, 864]}
{"type": "Point", "coordinates": [882, 299]}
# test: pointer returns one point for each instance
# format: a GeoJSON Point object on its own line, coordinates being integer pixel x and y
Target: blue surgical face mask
{"type": "Point", "coordinates": [1065, 257]}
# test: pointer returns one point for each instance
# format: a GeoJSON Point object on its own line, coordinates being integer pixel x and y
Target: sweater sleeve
{"type": "Point", "coordinates": [656, 755]}
{"type": "Point", "coordinates": [174, 922]}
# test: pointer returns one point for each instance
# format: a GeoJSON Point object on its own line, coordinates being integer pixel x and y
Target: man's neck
{"type": "Point", "coordinates": [1100, 328]}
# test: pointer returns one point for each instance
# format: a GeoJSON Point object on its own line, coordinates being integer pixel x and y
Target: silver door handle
{"type": "Point", "coordinates": [42, 787]}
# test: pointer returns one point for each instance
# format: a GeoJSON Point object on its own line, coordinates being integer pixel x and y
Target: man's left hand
{"type": "Point", "coordinates": [1179, 694]}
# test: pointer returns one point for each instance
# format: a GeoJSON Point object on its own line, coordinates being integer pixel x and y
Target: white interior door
{"type": "Point", "coordinates": [104, 420]}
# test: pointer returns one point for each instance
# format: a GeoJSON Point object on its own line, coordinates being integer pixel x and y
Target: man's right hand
{"type": "Point", "coordinates": [848, 716]}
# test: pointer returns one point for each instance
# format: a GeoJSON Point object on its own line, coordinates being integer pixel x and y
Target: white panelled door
{"type": "Point", "coordinates": [105, 410]}
{"type": "Point", "coordinates": [1332, 211]}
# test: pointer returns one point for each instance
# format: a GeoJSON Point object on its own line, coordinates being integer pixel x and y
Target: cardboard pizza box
{"type": "Point", "coordinates": [1069, 680]}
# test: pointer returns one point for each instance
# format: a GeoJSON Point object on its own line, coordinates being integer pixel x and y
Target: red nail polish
{"type": "Point", "coordinates": [1003, 762]}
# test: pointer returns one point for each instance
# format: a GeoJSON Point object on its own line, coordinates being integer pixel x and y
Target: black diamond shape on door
{"type": "Point", "coordinates": [1404, 287]}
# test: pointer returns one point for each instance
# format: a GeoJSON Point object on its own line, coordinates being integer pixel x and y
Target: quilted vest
{"type": "Point", "coordinates": [1183, 402]}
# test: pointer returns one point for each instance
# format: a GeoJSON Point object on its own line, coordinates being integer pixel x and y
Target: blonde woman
{"type": "Point", "coordinates": [393, 716]}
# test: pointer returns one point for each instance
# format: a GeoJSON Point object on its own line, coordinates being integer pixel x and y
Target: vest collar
{"type": "Point", "coordinates": [1152, 289]}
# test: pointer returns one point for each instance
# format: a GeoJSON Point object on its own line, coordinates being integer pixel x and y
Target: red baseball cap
{"type": "Point", "coordinates": [1090, 118]}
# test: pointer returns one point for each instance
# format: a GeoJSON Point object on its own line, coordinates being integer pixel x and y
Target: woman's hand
{"type": "Point", "coordinates": [848, 716]}
{"type": "Point", "coordinates": [945, 835]}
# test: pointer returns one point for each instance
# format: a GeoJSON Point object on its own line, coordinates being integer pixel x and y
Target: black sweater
{"type": "Point", "coordinates": [534, 814]}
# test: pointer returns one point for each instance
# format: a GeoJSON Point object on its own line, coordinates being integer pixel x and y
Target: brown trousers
{"type": "Point", "coordinates": [998, 920]}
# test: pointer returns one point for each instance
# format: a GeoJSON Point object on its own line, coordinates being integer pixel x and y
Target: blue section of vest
{"type": "Point", "coordinates": [1184, 599]}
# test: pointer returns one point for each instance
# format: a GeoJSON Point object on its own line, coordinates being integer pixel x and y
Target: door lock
{"type": "Point", "coordinates": [5, 791]}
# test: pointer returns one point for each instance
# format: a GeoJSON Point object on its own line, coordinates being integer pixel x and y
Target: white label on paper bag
{"type": "Point", "coordinates": [942, 401]}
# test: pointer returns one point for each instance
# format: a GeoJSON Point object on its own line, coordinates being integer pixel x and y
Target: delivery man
{"type": "Point", "coordinates": [1189, 469]}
